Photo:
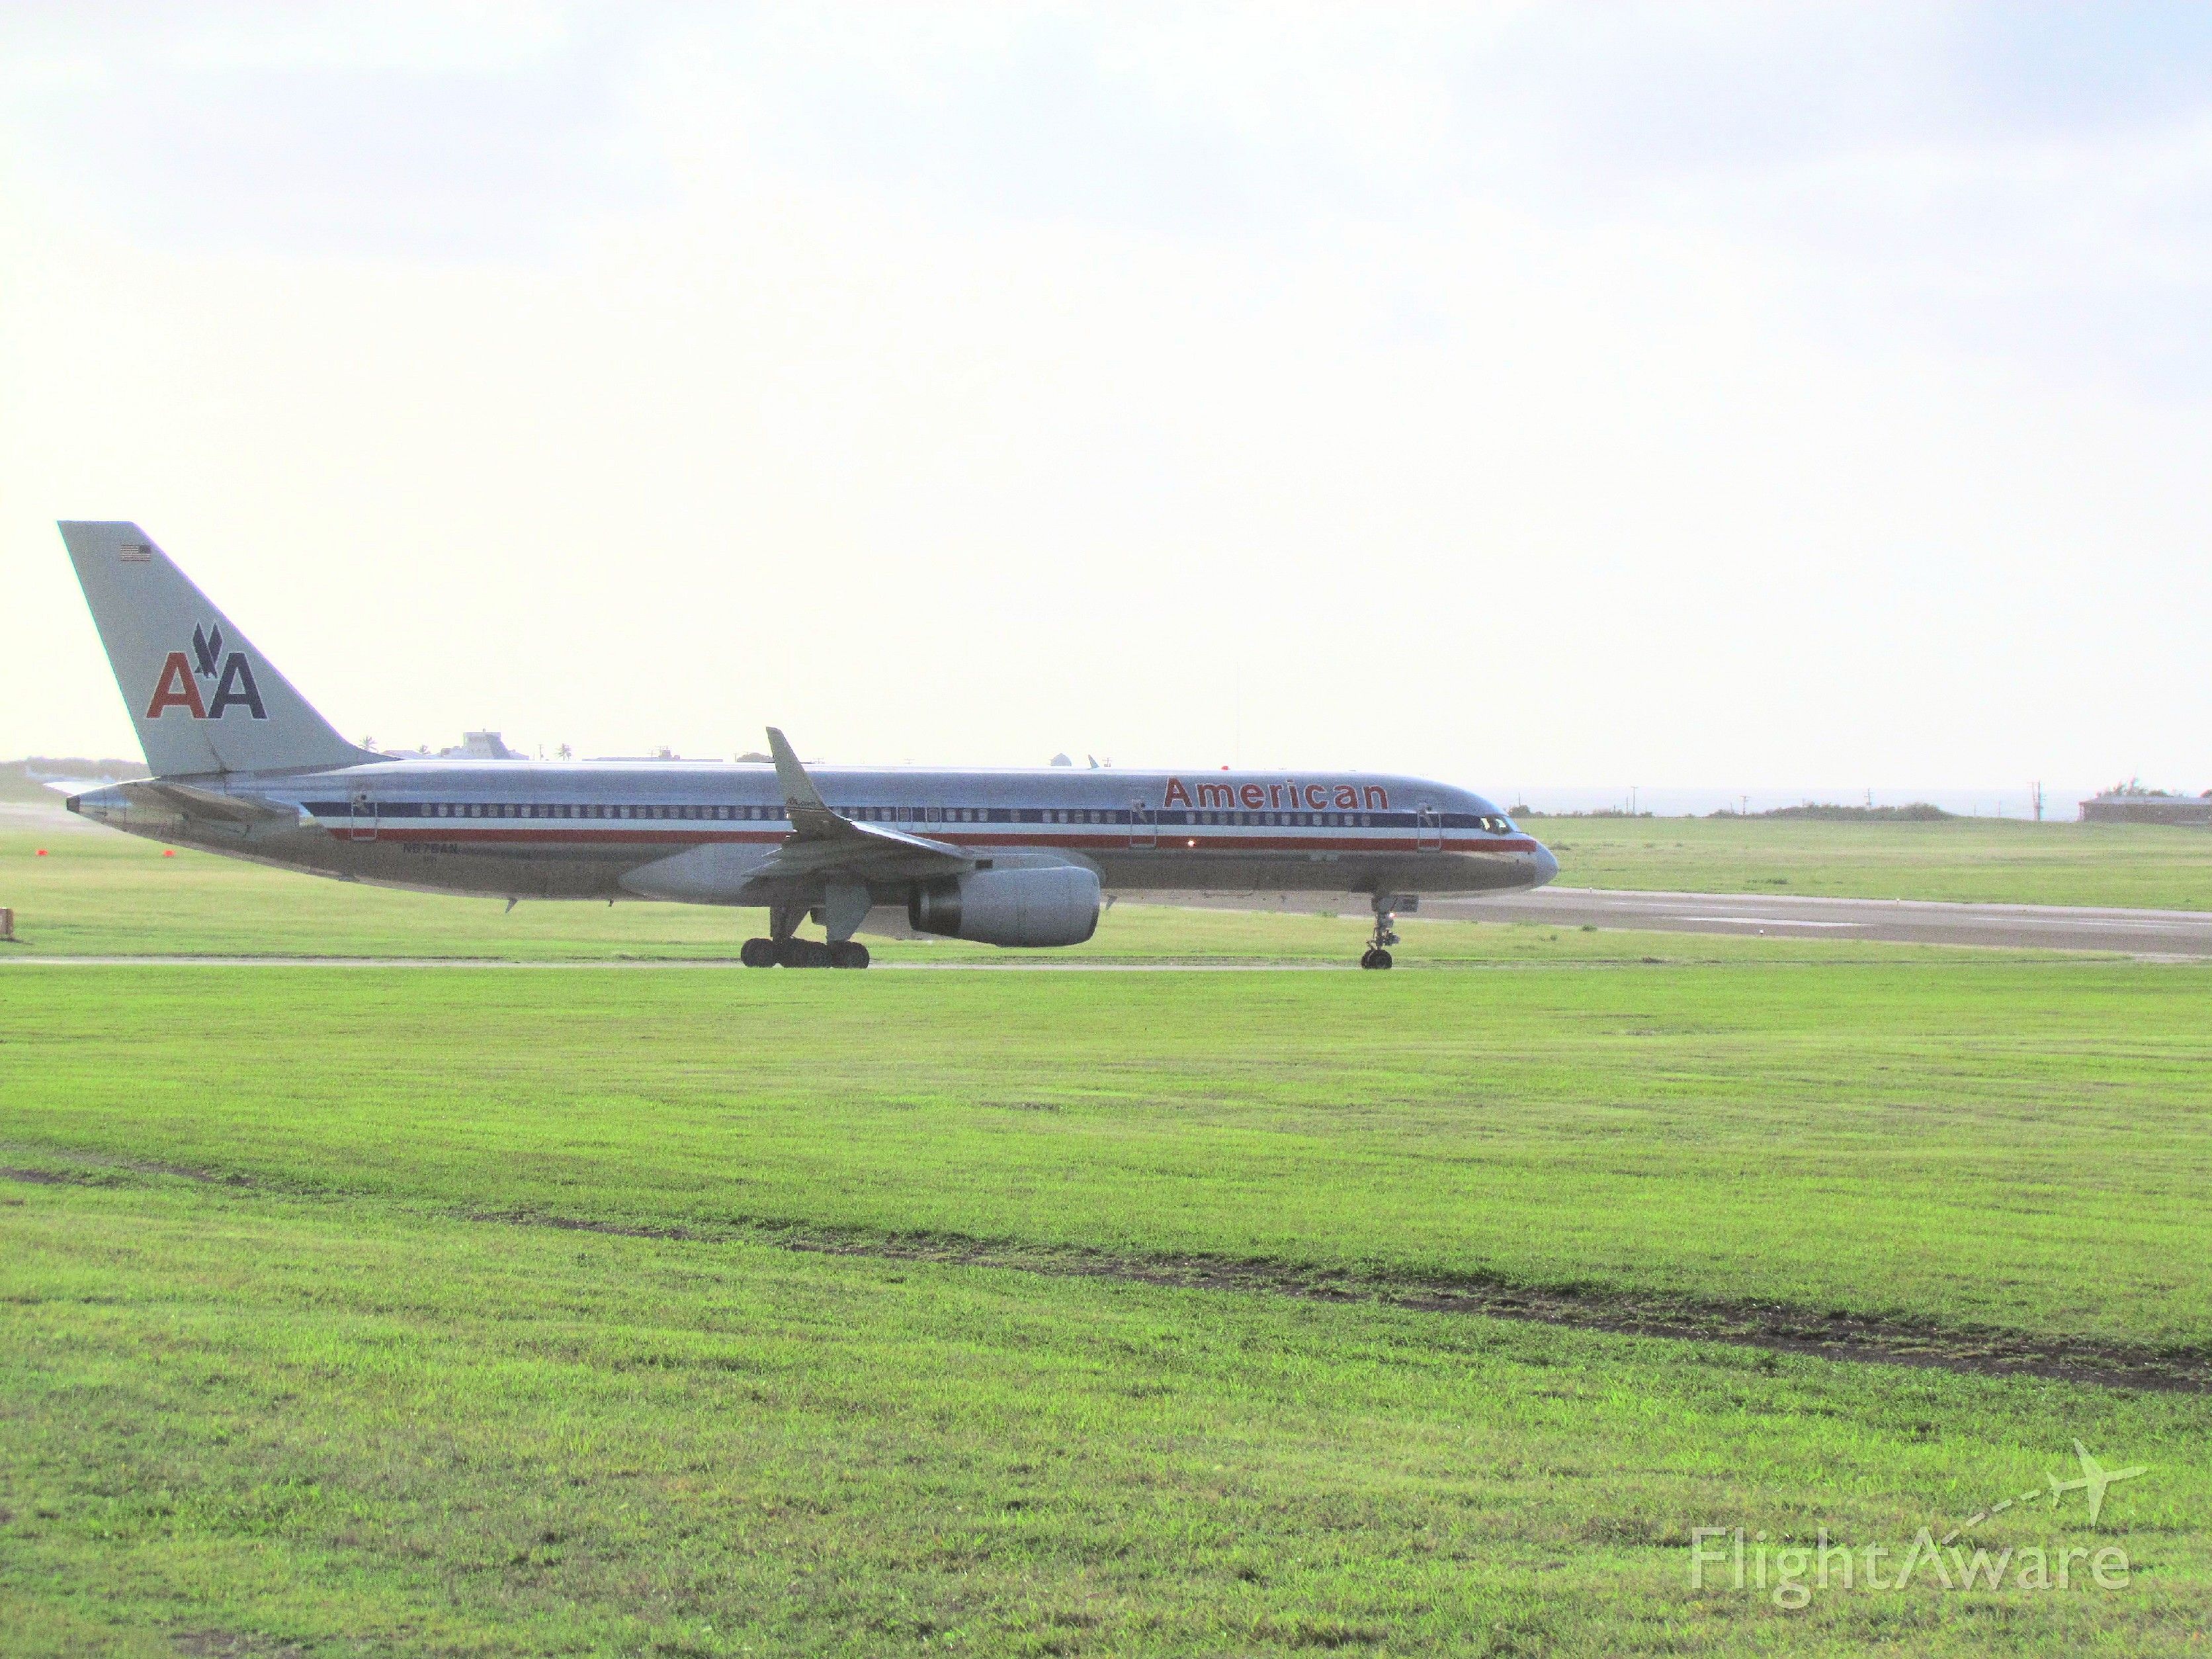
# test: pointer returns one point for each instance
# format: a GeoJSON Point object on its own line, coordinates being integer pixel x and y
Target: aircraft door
{"type": "Point", "coordinates": [1429, 835]}
{"type": "Point", "coordinates": [362, 826]}
{"type": "Point", "coordinates": [1144, 826]}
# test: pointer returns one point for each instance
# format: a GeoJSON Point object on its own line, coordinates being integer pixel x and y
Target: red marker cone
{"type": "Point", "coordinates": [42, 852]}
{"type": "Point", "coordinates": [168, 852]}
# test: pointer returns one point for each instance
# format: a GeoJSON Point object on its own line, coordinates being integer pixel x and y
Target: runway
{"type": "Point", "coordinates": [2158, 934]}
{"type": "Point", "coordinates": [2183, 934]}
{"type": "Point", "coordinates": [1013, 965]}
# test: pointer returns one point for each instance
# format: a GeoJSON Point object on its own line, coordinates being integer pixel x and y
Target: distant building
{"type": "Point", "coordinates": [2137, 805]}
{"type": "Point", "coordinates": [473, 745]}
{"type": "Point", "coordinates": [482, 746]}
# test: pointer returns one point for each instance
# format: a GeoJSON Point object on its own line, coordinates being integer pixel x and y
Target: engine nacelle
{"type": "Point", "coordinates": [1056, 905]}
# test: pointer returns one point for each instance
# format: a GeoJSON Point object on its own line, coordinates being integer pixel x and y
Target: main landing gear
{"type": "Point", "coordinates": [803, 953]}
{"type": "Point", "coordinates": [783, 948]}
{"type": "Point", "coordinates": [1377, 954]}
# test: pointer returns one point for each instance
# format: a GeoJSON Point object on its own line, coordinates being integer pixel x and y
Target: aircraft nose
{"type": "Point", "coordinates": [1546, 866]}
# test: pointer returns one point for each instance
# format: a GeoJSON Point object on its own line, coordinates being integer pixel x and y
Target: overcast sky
{"type": "Point", "coordinates": [1732, 396]}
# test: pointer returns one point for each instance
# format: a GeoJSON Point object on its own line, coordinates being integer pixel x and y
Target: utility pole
{"type": "Point", "coordinates": [2035, 794]}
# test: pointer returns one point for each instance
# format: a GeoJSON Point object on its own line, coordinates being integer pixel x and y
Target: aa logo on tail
{"type": "Point", "coordinates": [180, 685]}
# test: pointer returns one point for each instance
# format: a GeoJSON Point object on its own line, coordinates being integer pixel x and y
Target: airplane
{"type": "Point", "coordinates": [243, 766]}
{"type": "Point", "coordinates": [2095, 1479]}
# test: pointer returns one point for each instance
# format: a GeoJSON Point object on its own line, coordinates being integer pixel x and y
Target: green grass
{"type": "Point", "coordinates": [294, 1353]}
{"type": "Point", "coordinates": [239, 1422]}
{"type": "Point", "coordinates": [2024, 1146]}
{"type": "Point", "coordinates": [1981, 860]}
{"type": "Point", "coordinates": [344, 1387]}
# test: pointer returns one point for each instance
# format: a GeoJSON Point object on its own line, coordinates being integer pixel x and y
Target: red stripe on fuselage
{"type": "Point", "coordinates": [693, 834]}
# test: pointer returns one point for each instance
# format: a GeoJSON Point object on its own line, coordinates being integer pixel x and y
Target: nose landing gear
{"type": "Point", "coordinates": [1386, 905]}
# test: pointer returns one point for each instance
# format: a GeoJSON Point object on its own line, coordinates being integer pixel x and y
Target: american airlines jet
{"type": "Point", "coordinates": [243, 766]}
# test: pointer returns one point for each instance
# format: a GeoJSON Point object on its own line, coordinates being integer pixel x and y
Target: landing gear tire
{"type": "Point", "coordinates": [757, 953]}
{"type": "Point", "coordinates": [801, 953]}
{"type": "Point", "coordinates": [849, 954]}
{"type": "Point", "coordinates": [1384, 935]}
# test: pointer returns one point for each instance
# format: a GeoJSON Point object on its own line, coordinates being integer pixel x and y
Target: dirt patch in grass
{"type": "Point", "coordinates": [1776, 1328]}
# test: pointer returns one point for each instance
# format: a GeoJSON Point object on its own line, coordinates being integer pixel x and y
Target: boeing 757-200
{"type": "Point", "coordinates": [243, 766]}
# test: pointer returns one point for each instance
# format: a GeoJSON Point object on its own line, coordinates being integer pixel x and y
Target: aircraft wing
{"type": "Point", "coordinates": [822, 841]}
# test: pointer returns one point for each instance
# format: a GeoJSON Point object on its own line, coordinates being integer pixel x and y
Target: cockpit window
{"type": "Point", "coordinates": [1496, 823]}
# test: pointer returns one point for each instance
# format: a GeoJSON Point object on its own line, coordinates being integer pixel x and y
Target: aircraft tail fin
{"type": "Point", "coordinates": [203, 698]}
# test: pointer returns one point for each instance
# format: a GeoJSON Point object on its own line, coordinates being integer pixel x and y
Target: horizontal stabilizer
{"type": "Point", "coordinates": [215, 805]}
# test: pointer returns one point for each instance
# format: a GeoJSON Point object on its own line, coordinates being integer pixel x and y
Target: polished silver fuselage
{"type": "Point", "coordinates": [599, 829]}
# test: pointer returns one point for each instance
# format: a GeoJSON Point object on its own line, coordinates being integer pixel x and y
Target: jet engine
{"type": "Point", "coordinates": [1058, 905]}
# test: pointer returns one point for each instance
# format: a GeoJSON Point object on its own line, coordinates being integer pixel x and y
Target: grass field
{"type": "Point", "coordinates": [1981, 861]}
{"type": "Point", "coordinates": [634, 1310]}
{"type": "Point", "coordinates": [331, 1349]}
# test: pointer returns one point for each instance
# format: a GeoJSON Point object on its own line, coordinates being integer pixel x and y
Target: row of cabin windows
{"type": "Point", "coordinates": [881, 814]}
{"type": "Point", "coordinates": [1496, 824]}
{"type": "Point", "coordinates": [531, 810]}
